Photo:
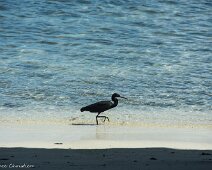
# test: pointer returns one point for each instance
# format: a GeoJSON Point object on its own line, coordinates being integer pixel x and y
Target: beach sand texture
{"type": "Point", "coordinates": [117, 159]}
{"type": "Point", "coordinates": [57, 56]}
{"type": "Point", "coordinates": [92, 147]}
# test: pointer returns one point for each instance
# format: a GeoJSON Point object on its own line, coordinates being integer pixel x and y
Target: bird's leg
{"type": "Point", "coordinates": [106, 118]}
{"type": "Point", "coordinates": [97, 118]}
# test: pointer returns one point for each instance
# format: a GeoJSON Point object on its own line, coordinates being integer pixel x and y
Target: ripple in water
{"type": "Point", "coordinates": [64, 55]}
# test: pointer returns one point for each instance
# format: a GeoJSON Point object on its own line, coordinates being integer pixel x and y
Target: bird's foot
{"type": "Point", "coordinates": [106, 118]}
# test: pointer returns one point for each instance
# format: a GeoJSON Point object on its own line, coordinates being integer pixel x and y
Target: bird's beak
{"type": "Point", "coordinates": [123, 97]}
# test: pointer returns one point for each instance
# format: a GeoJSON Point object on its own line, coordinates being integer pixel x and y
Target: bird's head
{"type": "Point", "coordinates": [117, 95]}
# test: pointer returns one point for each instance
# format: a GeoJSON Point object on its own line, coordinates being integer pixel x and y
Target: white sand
{"type": "Point", "coordinates": [103, 136]}
{"type": "Point", "coordinates": [81, 147]}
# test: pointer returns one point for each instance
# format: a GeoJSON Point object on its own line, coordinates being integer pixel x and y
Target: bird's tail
{"type": "Point", "coordinates": [82, 109]}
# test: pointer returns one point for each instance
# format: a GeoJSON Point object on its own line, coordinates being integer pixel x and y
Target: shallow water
{"type": "Point", "coordinates": [57, 56]}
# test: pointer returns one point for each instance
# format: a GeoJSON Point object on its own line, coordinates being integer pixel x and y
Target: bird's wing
{"type": "Point", "coordinates": [99, 106]}
{"type": "Point", "coordinates": [105, 104]}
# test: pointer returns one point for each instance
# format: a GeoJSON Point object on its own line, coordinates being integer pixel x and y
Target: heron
{"type": "Point", "coordinates": [102, 106]}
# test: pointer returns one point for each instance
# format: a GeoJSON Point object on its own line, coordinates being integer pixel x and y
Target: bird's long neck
{"type": "Point", "coordinates": [115, 100]}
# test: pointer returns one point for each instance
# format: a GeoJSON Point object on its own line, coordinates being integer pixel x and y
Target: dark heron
{"type": "Point", "coordinates": [102, 106]}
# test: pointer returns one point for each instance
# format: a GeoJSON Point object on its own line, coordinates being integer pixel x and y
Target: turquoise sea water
{"type": "Point", "coordinates": [59, 55]}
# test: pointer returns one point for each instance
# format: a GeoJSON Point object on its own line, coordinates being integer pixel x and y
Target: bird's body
{"type": "Point", "coordinates": [98, 107]}
{"type": "Point", "coordinates": [102, 106]}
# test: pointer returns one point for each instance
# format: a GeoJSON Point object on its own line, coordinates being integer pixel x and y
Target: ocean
{"type": "Point", "coordinates": [60, 55]}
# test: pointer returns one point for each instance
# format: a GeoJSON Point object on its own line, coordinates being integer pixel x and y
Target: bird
{"type": "Point", "coordinates": [102, 106]}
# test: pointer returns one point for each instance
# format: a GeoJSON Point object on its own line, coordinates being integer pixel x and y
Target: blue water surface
{"type": "Point", "coordinates": [64, 54]}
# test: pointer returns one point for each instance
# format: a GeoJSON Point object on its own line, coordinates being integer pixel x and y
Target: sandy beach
{"type": "Point", "coordinates": [123, 159]}
{"type": "Point", "coordinates": [46, 147]}
{"type": "Point", "coordinates": [142, 68]}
